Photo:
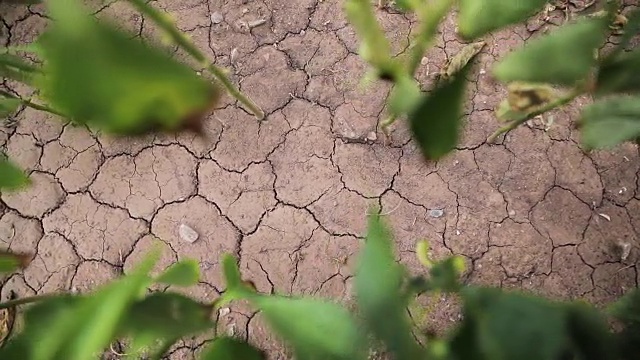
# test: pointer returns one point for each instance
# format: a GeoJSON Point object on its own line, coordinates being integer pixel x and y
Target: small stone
{"type": "Point", "coordinates": [224, 311]}
{"type": "Point", "coordinates": [512, 213]}
{"type": "Point", "coordinates": [424, 61]}
{"type": "Point", "coordinates": [372, 136]}
{"type": "Point", "coordinates": [234, 55]}
{"type": "Point", "coordinates": [457, 232]}
{"type": "Point", "coordinates": [436, 213]}
{"type": "Point", "coordinates": [217, 18]}
{"type": "Point", "coordinates": [625, 250]}
{"type": "Point", "coordinates": [188, 234]}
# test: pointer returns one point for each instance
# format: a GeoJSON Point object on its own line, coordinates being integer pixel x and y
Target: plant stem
{"type": "Point", "coordinates": [539, 111]}
{"type": "Point", "coordinates": [31, 104]}
{"type": "Point", "coordinates": [26, 300]}
{"type": "Point", "coordinates": [218, 73]}
{"type": "Point", "coordinates": [167, 25]}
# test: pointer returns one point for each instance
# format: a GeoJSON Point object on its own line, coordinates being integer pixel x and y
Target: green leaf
{"type": "Point", "coordinates": [627, 310]}
{"type": "Point", "coordinates": [430, 15]}
{"type": "Point", "coordinates": [227, 348]}
{"type": "Point", "coordinates": [610, 122]}
{"type": "Point", "coordinates": [315, 329]}
{"type": "Point", "coordinates": [11, 177]}
{"type": "Point", "coordinates": [563, 57]}
{"type": "Point", "coordinates": [500, 325]}
{"type": "Point", "coordinates": [435, 123]}
{"type": "Point", "coordinates": [183, 273]}
{"type": "Point", "coordinates": [378, 283]}
{"type": "Point", "coordinates": [9, 262]}
{"type": "Point", "coordinates": [99, 75]}
{"type": "Point", "coordinates": [79, 327]}
{"type": "Point", "coordinates": [8, 106]}
{"type": "Point", "coordinates": [620, 75]}
{"type": "Point", "coordinates": [478, 17]}
{"type": "Point", "coordinates": [231, 272]}
{"type": "Point", "coordinates": [404, 96]}
{"type": "Point", "coordinates": [589, 333]}
{"type": "Point", "coordinates": [374, 48]}
{"type": "Point", "coordinates": [15, 68]}
{"type": "Point", "coordinates": [164, 316]}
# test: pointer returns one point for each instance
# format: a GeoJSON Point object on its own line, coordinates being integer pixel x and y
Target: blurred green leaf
{"type": "Point", "coordinates": [374, 47]}
{"type": "Point", "coordinates": [10, 261]}
{"type": "Point", "coordinates": [315, 329]}
{"type": "Point", "coordinates": [80, 327]}
{"type": "Point", "coordinates": [589, 333]}
{"type": "Point", "coordinates": [166, 317]}
{"type": "Point", "coordinates": [436, 121]}
{"type": "Point", "coordinates": [404, 97]}
{"type": "Point", "coordinates": [610, 122]}
{"type": "Point", "coordinates": [499, 325]}
{"type": "Point", "coordinates": [430, 15]}
{"type": "Point", "coordinates": [231, 272]}
{"type": "Point", "coordinates": [621, 75]}
{"type": "Point", "coordinates": [478, 17]}
{"type": "Point", "coordinates": [627, 311]}
{"type": "Point", "coordinates": [15, 68]}
{"type": "Point", "coordinates": [182, 273]}
{"type": "Point", "coordinates": [227, 348]}
{"type": "Point", "coordinates": [40, 322]}
{"type": "Point", "coordinates": [8, 106]}
{"type": "Point", "coordinates": [563, 57]}
{"type": "Point", "coordinates": [11, 177]}
{"type": "Point", "coordinates": [378, 283]}
{"type": "Point", "coordinates": [445, 274]}
{"type": "Point", "coordinates": [100, 76]}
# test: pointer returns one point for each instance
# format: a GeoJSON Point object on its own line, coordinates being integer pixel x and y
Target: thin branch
{"type": "Point", "coordinates": [31, 104]}
{"type": "Point", "coordinates": [167, 25]}
{"type": "Point", "coordinates": [27, 300]}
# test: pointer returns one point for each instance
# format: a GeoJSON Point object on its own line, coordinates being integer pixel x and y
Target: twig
{"type": "Point", "coordinates": [165, 23]}
{"type": "Point", "coordinates": [26, 300]}
{"type": "Point", "coordinates": [31, 104]}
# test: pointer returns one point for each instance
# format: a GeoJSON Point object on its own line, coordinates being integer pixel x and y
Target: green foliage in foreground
{"type": "Point", "coordinates": [496, 324]}
{"type": "Point", "coordinates": [548, 72]}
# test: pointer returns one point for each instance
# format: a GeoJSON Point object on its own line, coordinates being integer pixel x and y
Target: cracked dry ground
{"type": "Point", "coordinates": [289, 195]}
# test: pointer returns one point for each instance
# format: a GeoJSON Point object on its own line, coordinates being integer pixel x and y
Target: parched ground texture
{"type": "Point", "coordinates": [289, 195]}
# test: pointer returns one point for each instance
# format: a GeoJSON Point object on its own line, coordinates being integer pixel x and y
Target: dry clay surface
{"type": "Point", "coordinates": [289, 195]}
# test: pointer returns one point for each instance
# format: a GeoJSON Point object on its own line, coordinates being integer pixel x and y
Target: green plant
{"type": "Point", "coordinates": [79, 56]}
{"type": "Point", "coordinates": [496, 324]}
{"type": "Point", "coordinates": [573, 66]}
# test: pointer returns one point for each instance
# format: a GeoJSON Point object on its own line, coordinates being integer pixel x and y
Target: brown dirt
{"type": "Point", "coordinates": [289, 195]}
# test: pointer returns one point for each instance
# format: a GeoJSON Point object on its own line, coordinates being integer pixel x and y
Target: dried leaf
{"type": "Point", "coordinates": [461, 59]}
{"type": "Point", "coordinates": [525, 97]}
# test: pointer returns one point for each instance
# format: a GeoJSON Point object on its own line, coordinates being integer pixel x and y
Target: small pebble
{"type": "Point", "coordinates": [372, 136]}
{"type": "Point", "coordinates": [187, 234]}
{"type": "Point", "coordinates": [512, 213]}
{"type": "Point", "coordinates": [436, 213]}
{"type": "Point", "coordinates": [625, 250]}
{"type": "Point", "coordinates": [224, 311]}
{"type": "Point", "coordinates": [217, 18]}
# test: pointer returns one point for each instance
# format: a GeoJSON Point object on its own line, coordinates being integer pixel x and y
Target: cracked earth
{"type": "Point", "coordinates": [289, 196]}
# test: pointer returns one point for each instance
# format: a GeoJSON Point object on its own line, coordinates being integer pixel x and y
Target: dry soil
{"type": "Point", "coordinates": [289, 195]}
